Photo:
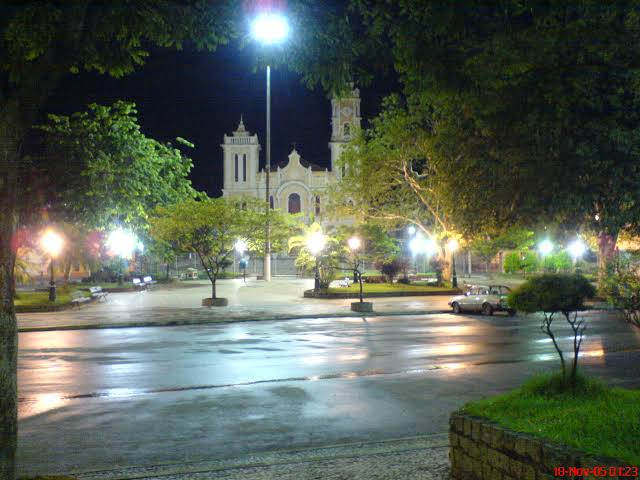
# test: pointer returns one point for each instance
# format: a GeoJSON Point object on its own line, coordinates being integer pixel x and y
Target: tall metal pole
{"type": "Point", "coordinates": [52, 283]}
{"type": "Point", "coordinates": [454, 282]}
{"type": "Point", "coordinates": [267, 247]}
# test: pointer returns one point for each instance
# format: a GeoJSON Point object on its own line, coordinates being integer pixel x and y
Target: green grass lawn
{"type": "Point", "coordinates": [386, 288]}
{"type": "Point", "coordinates": [36, 300]}
{"type": "Point", "coordinates": [596, 419]}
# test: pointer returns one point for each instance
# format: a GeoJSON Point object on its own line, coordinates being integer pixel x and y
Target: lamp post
{"type": "Point", "coordinates": [240, 247]}
{"type": "Point", "coordinates": [577, 248]}
{"type": "Point", "coordinates": [354, 245]}
{"type": "Point", "coordinates": [315, 244]}
{"type": "Point", "coordinates": [121, 243]}
{"type": "Point", "coordinates": [268, 29]}
{"type": "Point", "coordinates": [52, 244]}
{"type": "Point", "coordinates": [453, 246]}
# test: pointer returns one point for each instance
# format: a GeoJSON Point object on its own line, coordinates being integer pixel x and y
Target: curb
{"type": "Point", "coordinates": [177, 323]}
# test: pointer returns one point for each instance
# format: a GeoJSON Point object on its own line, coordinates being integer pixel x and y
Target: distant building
{"type": "Point", "coordinates": [295, 185]}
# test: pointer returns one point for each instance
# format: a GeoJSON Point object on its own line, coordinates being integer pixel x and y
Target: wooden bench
{"type": "Point", "coordinates": [138, 283]}
{"type": "Point", "coordinates": [98, 293]}
{"type": "Point", "coordinates": [149, 281]}
{"type": "Point", "coordinates": [78, 298]}
{"type": "Point", "coordinates": [345, 283]}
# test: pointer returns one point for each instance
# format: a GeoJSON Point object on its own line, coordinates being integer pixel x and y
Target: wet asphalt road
{"type": "Point", "coordinates": [100, 399]}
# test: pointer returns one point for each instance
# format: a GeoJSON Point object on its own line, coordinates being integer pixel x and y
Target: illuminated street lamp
{"type": "Point", "coordinates": [122, 244]}
{"type": "Point", "coordinates": [354, 245]}
{"type": "Point", "coordinates": [241, 247]}
{"type": "Point", "coordinates": [316, 243]}
{"type": "Point", "coordinates": [269, 28]}
{"type": "Point", "coordinates": [576, 249]}
{"type": "Point", "coordinates": [52, 243]}
{"type": "Point", "coordinates": [453, 246]}
{"type": "Point", "coordinates": [545, 247]}
{"type": "Point", "coordinates": [411, 230]}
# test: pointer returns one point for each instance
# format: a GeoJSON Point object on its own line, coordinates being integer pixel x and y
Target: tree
{"type": "Point", "coordinates": [209, 228]}
{"type": "Point", "coordinates": [165, 252]}
{"type": "Point", "coordinates": [390, 179]}
{"type": "Point", "coordinates": [551, 294]}
{"type": "Point", "coordinates": [328, 260]}
{"type": "Point", "coordinates": [41, 43]}
{"type": "Point", "coordinates": [104, 171]}
{"type": "Point", "coordinates": [487, 246]}
{"type": "Point", "coordinates": [622, 289]}
{"type": "Point", "coordinates": [538, 103]}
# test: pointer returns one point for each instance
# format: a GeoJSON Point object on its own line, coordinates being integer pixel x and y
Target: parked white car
{"type": "Point", "coordinates": [483, 298]}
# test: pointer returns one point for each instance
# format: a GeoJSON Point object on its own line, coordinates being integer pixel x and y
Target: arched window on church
{"type": "Point", "coordinates": [294, 203]}
{"type": "Point", "coordinates": [235, 161]}
{"type": "Point", "coordinates": [317, 204]}
{"type": "Point", "coordinates": [271, 202]}
{"type": "Point", "coordinates": [244, 167]}
{"type": "Point", "coordinates": [346, 129]}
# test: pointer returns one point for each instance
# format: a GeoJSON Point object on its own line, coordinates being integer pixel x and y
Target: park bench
{"type": "Point", "coordinates": [149, 281]}
{"type": "Point", "coordinates": [98, 293]}
{"type": "Point", "coordinates": [346, 282]}
{"type": "Point", "coordinates": [78, 298]}
{"type": "Point", "coordinates": [138, 283]}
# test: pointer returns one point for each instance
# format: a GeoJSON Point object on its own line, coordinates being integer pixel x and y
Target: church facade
{"type": "Point", "coordinates": [295, 186]}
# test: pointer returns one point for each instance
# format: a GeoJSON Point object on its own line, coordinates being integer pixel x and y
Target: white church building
{"type": "Point", "coordinates": [296, 186]}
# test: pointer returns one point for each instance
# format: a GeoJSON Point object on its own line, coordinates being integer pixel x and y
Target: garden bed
{"type": "Point", "coordinates": [596, 419]}
{"type": "Point", "coordinates": [372, 290]}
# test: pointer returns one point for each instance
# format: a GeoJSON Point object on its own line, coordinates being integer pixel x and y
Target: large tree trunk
{"type": "Point", "coordinates": [17, 114]}
{"type": "Point", "coordinates": [213, 288]}
{"type": "Point", "coordinates": [8, 328]}
{"type": "Point", "coordinates": [606, 253]}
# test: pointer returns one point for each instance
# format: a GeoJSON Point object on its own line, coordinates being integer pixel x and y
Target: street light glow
{"type": "Point", "coordinates": [453, 245]}
{"type": "Point", "coordinates": [577, 248]}
{"type": "Point", "coordinates": [270, 28]}
{"type": "Point", "coordinates": [412, 230]}
{"type": "Point", "coordinates": [316, 243]}
{"type": "Point", "coordinates": [354, 243]}
{"type": "Point", "coordinates": [545, 247]}
{"type": "Point", "coordinates": [122, 243]}
{"type": "Point", "coordinates": [240, 246]}
{"type": "Point", "coordinates": [417, 245]}
{"type": "Point", "coordinates": [51, 242]}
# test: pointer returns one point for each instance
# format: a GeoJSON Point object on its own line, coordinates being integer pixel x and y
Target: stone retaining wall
{"type": "Point", "coordinates": [482, 450]}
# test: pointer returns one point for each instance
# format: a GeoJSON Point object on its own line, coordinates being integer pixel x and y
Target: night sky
{"type": "Point", "coordinates": [200, 96]}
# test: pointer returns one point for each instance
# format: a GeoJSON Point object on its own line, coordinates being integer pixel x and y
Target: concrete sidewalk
{"type": "Point", "coordinates": [279, 300]}
{"type": "Point", "coordinates": [416, 458]}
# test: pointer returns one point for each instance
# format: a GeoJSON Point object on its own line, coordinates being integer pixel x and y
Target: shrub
{"type": "Point", "coordinates": [512, 262]}
{"type": "Point", "coordinates": [437, 264]}
{"type": "Point", "coordinates": [524, 261]}
{"type": "Point", "coordinates": [391, 268]}
{"type": "Point", "coordinates": [553, 294]}
{"type": "Point", "coordinates": [622, 290]}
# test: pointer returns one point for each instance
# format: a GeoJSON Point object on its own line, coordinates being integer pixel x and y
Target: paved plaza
{"type": "Point", "coordinates": [254, 300]}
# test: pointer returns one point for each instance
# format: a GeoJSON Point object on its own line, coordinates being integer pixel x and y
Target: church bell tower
{"type": "Point", "coordinates": [241, 156]}
{"type": "Point", "coordinates": [345, 120]}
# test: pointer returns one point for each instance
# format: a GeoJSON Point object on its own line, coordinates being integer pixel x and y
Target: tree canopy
{"type": "Point", "coordinates": [106, 172]}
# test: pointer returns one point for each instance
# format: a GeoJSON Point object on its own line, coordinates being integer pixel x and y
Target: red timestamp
{"type": "Point", "coordinates": [597, 471]}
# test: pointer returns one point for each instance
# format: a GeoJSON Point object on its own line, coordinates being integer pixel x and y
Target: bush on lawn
{"type": "Point", "coordinates": [552, 294]}
{"type": "Point", "coordinates": [392, 267]}
{"type": "Point", "coordinates": [524, 261]}
{"type": "Point", "coordinates": [622, 290]}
